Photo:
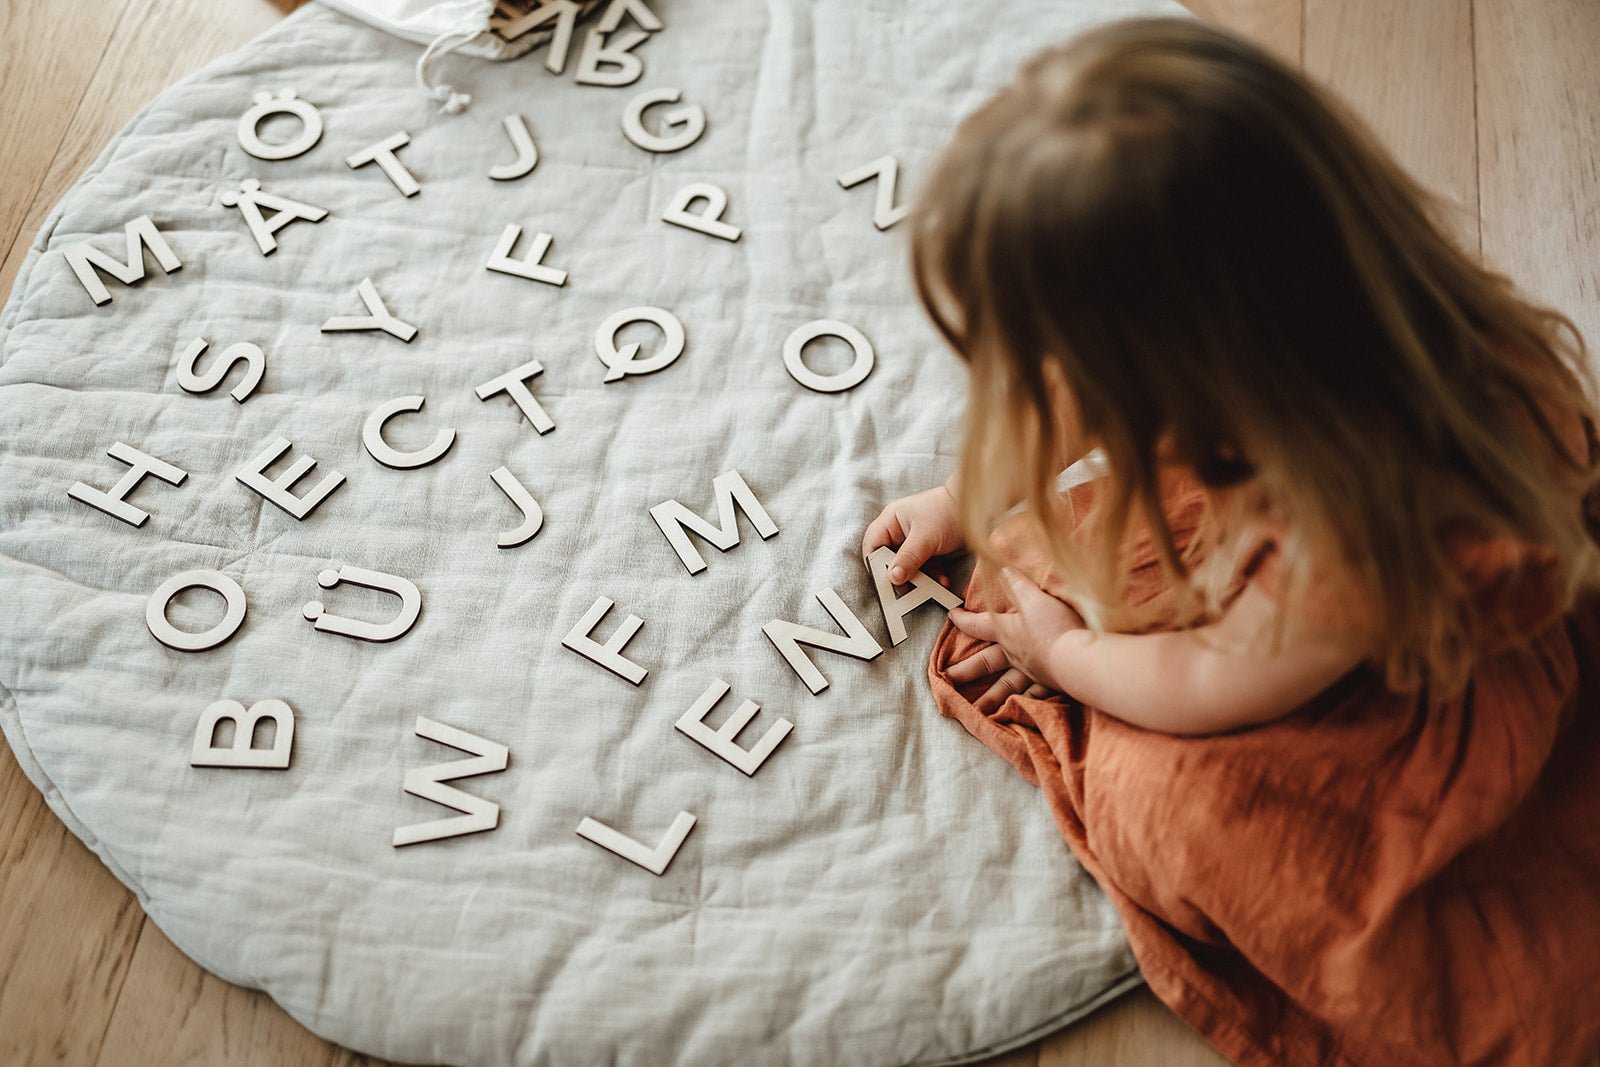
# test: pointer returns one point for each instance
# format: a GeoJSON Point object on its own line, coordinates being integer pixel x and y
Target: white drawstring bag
{"type": "Point", "coordinates": [469, 27]}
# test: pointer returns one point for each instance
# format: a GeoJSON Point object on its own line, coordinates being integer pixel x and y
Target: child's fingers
{"type": "Point", "coordinates": [883, 530]}
{"type": "Point", "coordinates": [979, 624]}
{"type": "Point", "coordinates": [981, 664]}
{"type": "Point", "coordinates": [917, 550]}
{"type": "Point", "coordinates": [1005, 687]}
{"type": "Point", "coordinates": [1032, 601]}
{"type": "Point", "coordinates": [1024, 594]}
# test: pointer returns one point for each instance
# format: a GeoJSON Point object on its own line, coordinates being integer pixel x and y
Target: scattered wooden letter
{"type": "Point", "coordinates": [621, 362]}
{"type": "Point", "coordinates": [279, 490]}
{"type": "Point", "coordinates": [565, 12]}
{"type": "Point", "coordinates": [514, 384]}
{"type": "Point", "coordinates": [380, 450]}
{"type": "Point", "coordinates": [787, 637]}
{"type": "Point", "coordinates": [383, 154]}
{"type": "Point", "coordinates": [242, 753]}
{"type": "Point", "coordinates": [376, 318]}
{"type": "Point", "coordinates": [141, 234]}
{"type": "Point", "coordinates": [722, 741]}
{"type": "Point", "coordinates": [529, 266]}
{"type": "Point", "coordinates": [691, 118]}
{"type": "Point", "coordinates": [709, 221]}
{"type": "Point", "coordinates": [477, 814]}
{"type": "Point", "coordinates": [532, 514]}
{"type": "Point", "coordinates": [887, 171]}
{"type": "Point", "coordinates": [848, 378]}
{"type": "Point", "coordinates": [527, 152]}
{"type": "Point", "coordinates": [249, 354]}
{"type": "Point", "coordinates": [285, 103]}
{"type": "Point", "coordinates": [250, 199]}
{"type": "Point", "coordinates": [114, 502]}
{"type": "Point", "coordinates": [896, 608]}
{"type": "Point", "coordinates": [155, 611]}
{"type": "Point", "coordinates": [654, 860]}
{"type": "Point", "coordinates": [730, 490]}
{"type": "Point", "coordinates": [622, 67]}
{"type": "Point", "coordinates": [608, 655]}
{"type": "Point", "coordinates": [328, 623]}
{"type": "Point", "coordinates": [612, 18]}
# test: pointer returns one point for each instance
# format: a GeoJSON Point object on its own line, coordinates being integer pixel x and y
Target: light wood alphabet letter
{"type": "Point", "coordinates": [383, 452]}
{"type": "Point", "coordinates": [250, 199]}
{"type": "Point", "coordinates": [787, 637]}
{"type": "Point", "coordinates": [896, 608]}
{"type": "Point", "coordinates": [884, 211]}
{"type": "Point", "coordinates": [155, 611]}
{"type": "Point", "coordinates": [608, 655]}
{"type": "Point", "coordinates": [115, 503]}
{"type": "Point", "coordinates": [617, 9]}
{"type": "Point", "coordinates": [676, 521]}
{"type": "Point", "coordinates": [278, 490]}
{"type": "Point", "coordinates": [691, 118]}
{"type": "Point", "coordinates": [376, 318]}
{"type": "Point", "coordinates": [654, 860]}
{"type": "Point", "coordinates": [615, 52]}
{"type": "Point", "coordinates": [527, 152]}
{"type": "Point", "coordinates": [565, 12]}
{"type": "Point", "coordinates": [477, 814]}
{"type": "Point", "coordinates": [329, 623]}
{"type": "Point", "coordinates": [723, 741]}
{"type": "Point", "coordinates": [532, 513]}
{"type": "Point", "coordinates": [285, 103]}
{"type": "Point", "coordinates": [383, 154]}
{"type": "Point", "coordinates": [242, 753]}
{"type": "Point", "coordinates": [530, 265]}
{"type": "Point", "coordinates": [707, 221]}
{"type": "Point", "coordinates": [849, 378]}
{"type": "Point", "coordinates": [514, 383]}
{"type": "Point", "coordinates": [85, 259]}
{"type": "Point", "coordinates": [249, 354]}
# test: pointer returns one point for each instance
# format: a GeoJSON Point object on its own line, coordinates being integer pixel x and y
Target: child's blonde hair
{"type": "Point", "coordinates": [1162, 243]}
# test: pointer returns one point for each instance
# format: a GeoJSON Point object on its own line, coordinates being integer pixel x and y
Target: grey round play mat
{"type": "Point", "coordinates": [516, 825]}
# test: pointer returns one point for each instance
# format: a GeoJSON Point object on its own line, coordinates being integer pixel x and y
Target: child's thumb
{"type": "Point", "coordinates": [916, 551]}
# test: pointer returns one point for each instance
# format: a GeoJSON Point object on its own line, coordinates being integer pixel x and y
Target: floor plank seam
{"type": "Point", "coordinates": [122, 983]}
{"type": "Point", "coordinates": [1477, 135]}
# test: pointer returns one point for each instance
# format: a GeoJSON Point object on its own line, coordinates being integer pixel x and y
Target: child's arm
{"type": "Point", "coordinates": [1204, 680]}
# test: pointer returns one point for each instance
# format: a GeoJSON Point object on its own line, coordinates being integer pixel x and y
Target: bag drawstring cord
{"type": "Point", "coordinates": [450, 101]}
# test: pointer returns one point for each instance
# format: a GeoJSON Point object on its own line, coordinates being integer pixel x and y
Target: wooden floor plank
{"type": "Point", "coordinates": [155, 45]}
{"type": "Point", "coordinates": [1022, 1057]}
{"type": "Point", "coordinates": [1406, 69]}
{"type": "Point", "coordinates": [173, 1012]}
{"type": "Point", "coordinates": [1538, 95]}
{"type": "Point", "coordinates": [46, 62]}
{"type": "Point", "coordinates": [1132, 1030]}
{"type": "Point", "coordinates": [68, 929]}
{"type": "Point", "coordinates": [67, 932]}
{"type": "Point", "coordinates": [1276, 25]}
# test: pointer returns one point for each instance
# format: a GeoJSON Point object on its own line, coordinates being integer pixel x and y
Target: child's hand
{"type": "Point", "coordinates": [1023, 640]}
{"type": "Point", "coordinates": [924, 526]}
{"type": "Point", "coordinates": [1005, 680]}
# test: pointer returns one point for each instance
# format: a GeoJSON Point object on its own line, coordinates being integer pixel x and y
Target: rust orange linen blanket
{"type": "Point", "coordinates": [1373, 879]}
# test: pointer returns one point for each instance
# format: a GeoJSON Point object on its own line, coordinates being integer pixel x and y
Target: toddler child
{"type": "Point", "coordinates": [1310, 674]}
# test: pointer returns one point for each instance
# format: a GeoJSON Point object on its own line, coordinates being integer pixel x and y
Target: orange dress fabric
{"type": "Point", "coordinates": [1375, 878]}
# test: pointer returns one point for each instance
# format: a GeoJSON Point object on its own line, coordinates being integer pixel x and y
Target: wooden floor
{"type": "Point", "coordinates": [1495, 103]}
